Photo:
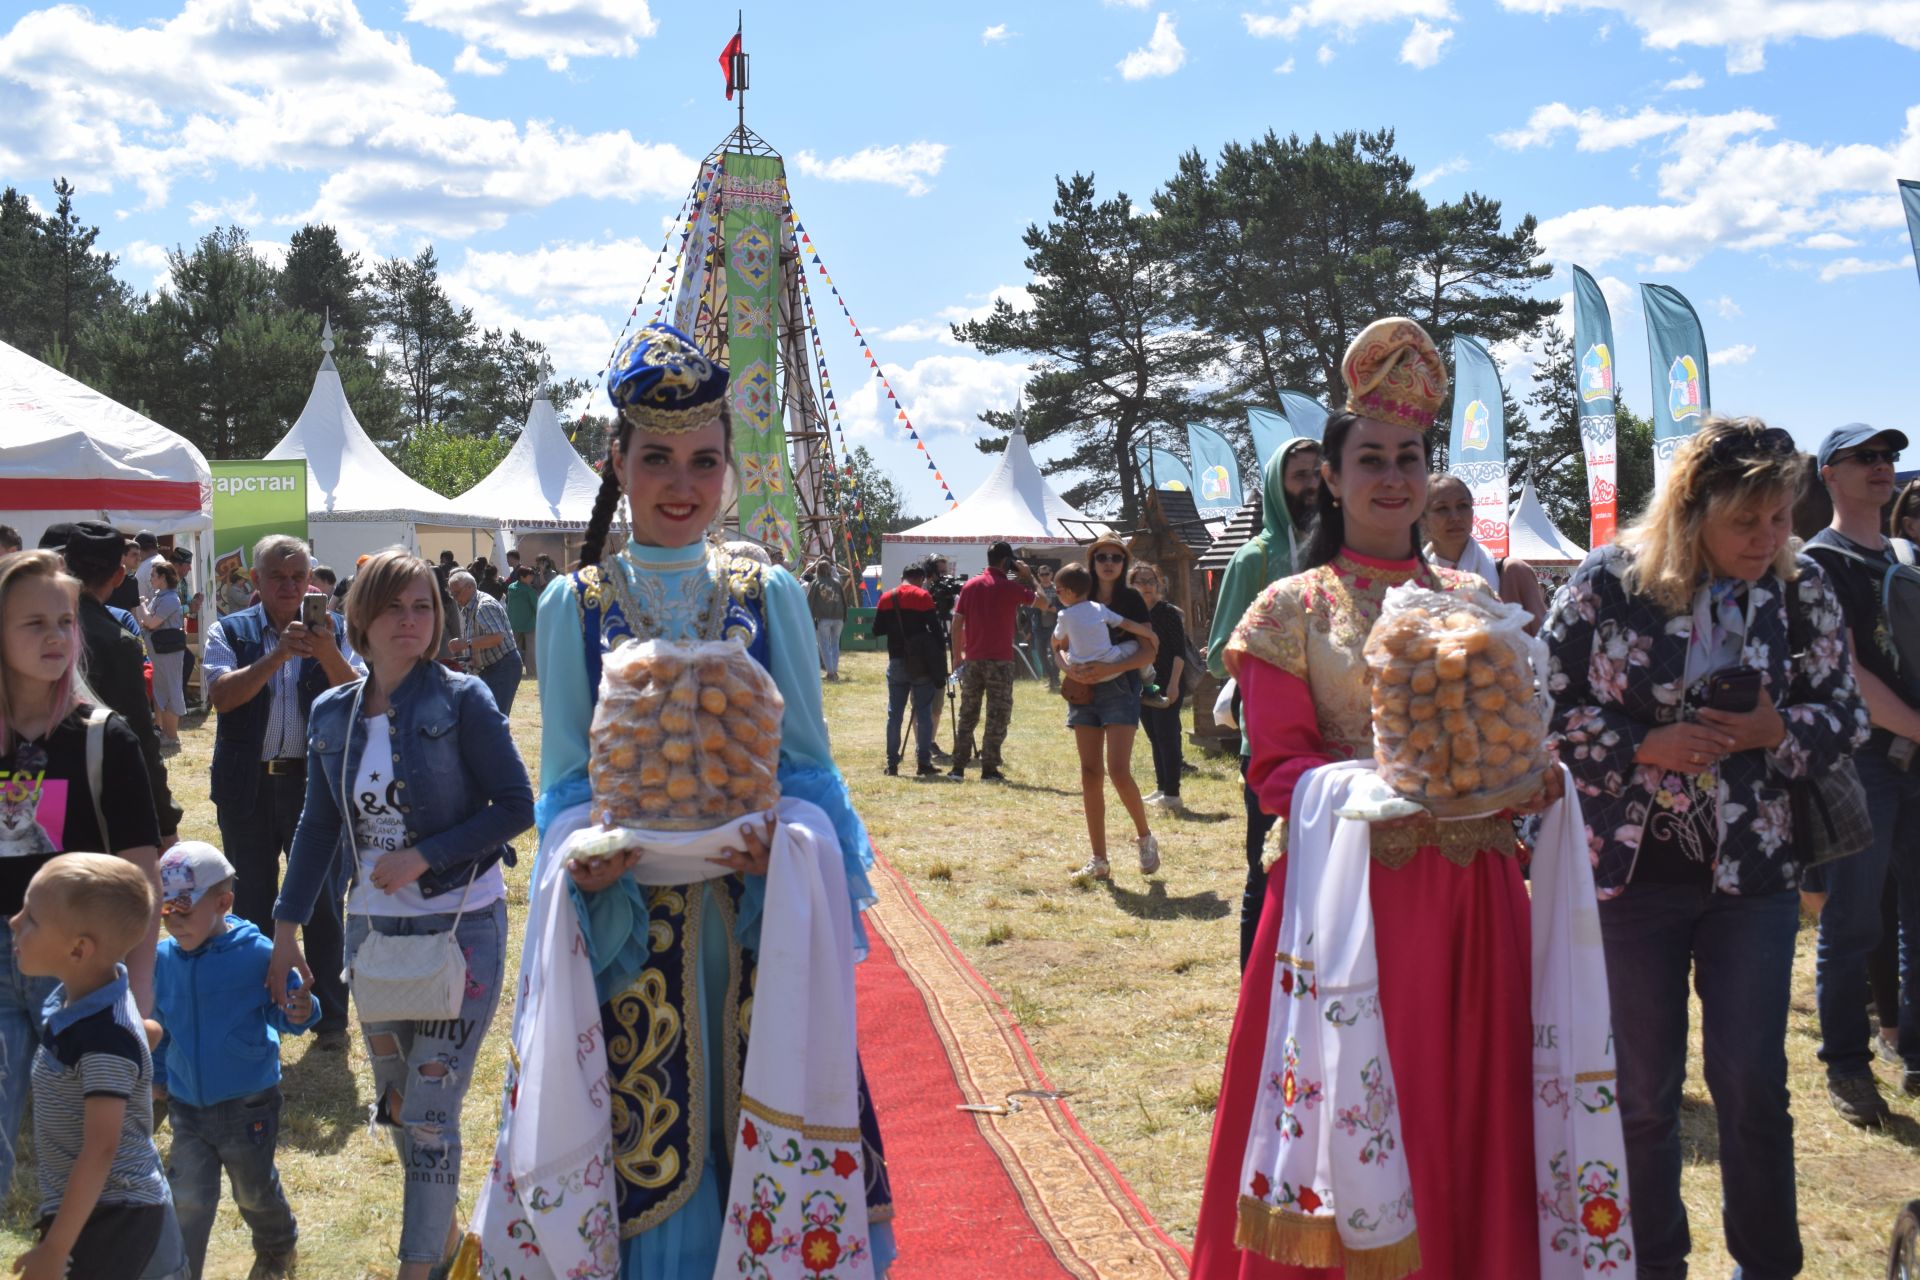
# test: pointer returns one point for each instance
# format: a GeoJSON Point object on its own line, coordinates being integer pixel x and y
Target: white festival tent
{"type": "Point", "coordinates": [358, 501]}
{"type": "Point", "coordinates": [542, 490]}
{"type": "Point", "coordinates": [69, 453]}
{"type": "Point", "coordinates": [1532, 537]}
{"type": "Point", "coordinates": [1014, 503]}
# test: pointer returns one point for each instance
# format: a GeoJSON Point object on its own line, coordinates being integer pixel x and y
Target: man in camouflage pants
{"type": "Point", "coordinates": [983, 622]}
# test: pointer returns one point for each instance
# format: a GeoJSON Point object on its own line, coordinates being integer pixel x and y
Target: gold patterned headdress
{"type": "Point", "coordinates": [1394, 373]}
{"type": "Point", "coordinates": [661, 382]}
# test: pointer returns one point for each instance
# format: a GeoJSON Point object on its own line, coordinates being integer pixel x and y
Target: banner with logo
{"type": "Point", "coordinates": [1910, 201]}
{"type": "Point", "coordinates": [1677, 351]}
{"type": "Point", "coordinates": [752, 194]}
{"type": "Point", "coordinates": [1307, 415]}
{"type": "Point", "coordinates": [1477, 449]}
{"type": "Point", "coordinates": [1593, 350]}
{"type": "Point", "coordinates": [1162, 469]}
{"type": "Point", "coordinates": [1270, 431]}
{"type": "Point", "coordinates": [1216, 471]}
{"type": "Point", "coordinates": [254, 499]}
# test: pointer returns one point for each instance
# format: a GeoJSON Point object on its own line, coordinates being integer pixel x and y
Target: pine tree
{"type": "Point", "coordinates": [424, 332]}
{"type": "Point", "coordinates": [321, 279]}
{"type": "Point", "coordinates": [1548, 450]}
{"type": "Point", "coordinates": [1111, 354]}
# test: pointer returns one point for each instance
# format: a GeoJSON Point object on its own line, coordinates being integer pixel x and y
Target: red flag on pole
{"type": "Point", "coordinates": [726, 63]}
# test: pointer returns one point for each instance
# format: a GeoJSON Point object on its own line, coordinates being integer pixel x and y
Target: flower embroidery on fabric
{"type": "Point", "coordinates": [1296, 1093]}
{"type": "Point", "coordinates": [1372, 1115]}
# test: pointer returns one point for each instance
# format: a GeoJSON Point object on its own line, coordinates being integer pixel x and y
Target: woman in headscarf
{"type": "Point", "coordinates": [1287, 486]}
{"type": "Point", "coordinates": [1451, 545]}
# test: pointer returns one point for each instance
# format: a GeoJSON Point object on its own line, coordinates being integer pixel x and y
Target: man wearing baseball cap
{"type": "Point", "coordinates": [1857, 464]}
{"type": "Point", "coordinates": [220, 1060]}
{"type": "Point", "coordinates": [116, 660]}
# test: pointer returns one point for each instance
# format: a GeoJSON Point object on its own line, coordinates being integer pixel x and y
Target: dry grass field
{"type": "Point", "coordinates": [1126, 991]}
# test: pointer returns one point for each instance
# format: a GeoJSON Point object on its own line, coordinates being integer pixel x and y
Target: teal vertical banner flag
{"type": "Point", "coordinates": [1216, 471]}
{"type": "Point", "coordinates": [1307, 415]}
{"type": "Point", "coordinates": [1477, 450]}
{"type": "Point", "coordinates": [1910, 201]}
{"type": "Point", "coordinates": [1599, 435]}
{"type": "Point", "coordinates": [1163, 468]}
{"type": "Point", "coordinates": [1269, 431]}
{"type": "Point", "coordinates": [1677, 352]}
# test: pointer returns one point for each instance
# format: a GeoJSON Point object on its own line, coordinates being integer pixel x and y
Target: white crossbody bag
{"type": "Point", "coordinates": [420, 977]}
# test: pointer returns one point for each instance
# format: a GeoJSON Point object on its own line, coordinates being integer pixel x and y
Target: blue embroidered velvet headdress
{"type": "Point", "coordinates": [661, 382]}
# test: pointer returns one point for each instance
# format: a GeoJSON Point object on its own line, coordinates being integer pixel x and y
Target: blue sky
{"type": "Point", "coordinates": [1742, 151]}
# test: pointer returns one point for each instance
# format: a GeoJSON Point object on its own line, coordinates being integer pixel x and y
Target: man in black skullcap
{"type": "Point", "coordinates": [116, 661]}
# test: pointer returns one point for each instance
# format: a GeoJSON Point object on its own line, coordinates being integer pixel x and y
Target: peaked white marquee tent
{"type": "Point", "coordinates": [1532, 537]}
{"type": "Point", "coordinates": [541, 492]}
{"type": "Point", "coordinates": [1014, 503]}
{"type": "Point", "coordinates": [69, 453]}
{"type": "Point", "coordinates": [358, 501]}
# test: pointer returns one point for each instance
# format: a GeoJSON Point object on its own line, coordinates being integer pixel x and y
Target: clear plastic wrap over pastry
{"type": "Point", "coordinates": [1459, 707]}
{"type": "Point", "coordinates": [686, 737]}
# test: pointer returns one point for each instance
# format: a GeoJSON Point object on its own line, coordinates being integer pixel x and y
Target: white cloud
{"type": "Point", "coordinates": [1424, 45]}
{"type": "Point", "coordinates": [1726, 307]}
{"type": "Point", "coordinates": [938, 328]}
{"type": "Point", "coordinates": [472, 62]}
{"type": "Point", "coordinates": [1863, 267]}
{"type": "Point", "coordinates": [1285, 68]}
{"type": "Point", "coordinates": [1343, 16]}
{"type": "Point", "coordinates": [1738, 353]}
{"type": "Point", "coordinates": [1162, 55]}
{"type": "Point", "coordinates": [1595, 130]}
{"type": "Point", "coordinates": [994, 34]}
{"type": "Point", "coordinates": [604, 273]}
{"type": "Point", "coordinates": [1325, 54]}
{"type": "Point", "coordinates": [308, 88]}
{"type": "Point", "coordinates": [1691, 80]}
{"type": "Point", "coordinates": [555, 31]}
{"type": "Point", "coordinates": [1830, 240]}
{"type": "Point", "coordinates": [1458, 164]}
{"type": "Point", "coordinates": [942, 394]}
{"type": "Point", "coordinates": [1126, 4]}
{"type": "Point", "coordinates": [907, 166]}
{"type": "Point", "coordinates": [1744, 28]}
{"type": "Point", "coordinates": [239, 212]}
{"type": "Point", "coordinates": [150, 258]}
{"type": "Point", "coordinates": [1720, 190]}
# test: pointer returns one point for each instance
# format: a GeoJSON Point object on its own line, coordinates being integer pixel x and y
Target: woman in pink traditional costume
{"type": "Point", "coordinates": [1450, 913]}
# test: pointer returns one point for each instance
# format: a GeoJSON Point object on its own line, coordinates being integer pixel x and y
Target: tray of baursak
{"type": "Point", "coordinates": [1459, 704]}
{"type": "Point", "coordinates": [685, 748]}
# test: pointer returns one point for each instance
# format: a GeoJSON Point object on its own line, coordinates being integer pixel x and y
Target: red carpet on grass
{"type": "Point", "coordinates": [1025, 1195]}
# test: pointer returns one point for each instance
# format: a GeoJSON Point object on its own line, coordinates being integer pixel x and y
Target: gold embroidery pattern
{"type": "Point", "coordinates": [1458, 842]}
{"type": "Point", "coordinates": [818, 1132]}
{"type": "Point", "coordinates": [642, 1114]}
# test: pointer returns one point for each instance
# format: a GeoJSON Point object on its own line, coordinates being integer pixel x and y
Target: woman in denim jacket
{"type": "Point", "coordinates": [414, 787]}
{"type": "Point", "coordinates": [1688, 816]}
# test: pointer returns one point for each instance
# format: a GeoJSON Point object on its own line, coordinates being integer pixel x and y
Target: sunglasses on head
{"type": "Point", "coordinates": [1109, 557]}
{"type": "Point", "coordinates": [1746, 446]}
{"type": "Point", "coordinates": [1871, 457]}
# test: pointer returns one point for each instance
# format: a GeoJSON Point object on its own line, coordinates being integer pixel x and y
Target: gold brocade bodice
{"type": "Point", "coordinates": [1314, 626]}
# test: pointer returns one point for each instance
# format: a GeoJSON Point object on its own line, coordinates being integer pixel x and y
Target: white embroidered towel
{"type": "Point", "coordinates": [1324, 1181]}
{"type": "Point", "coordinates": [1580, 1165]}
{"type": "Point", "coordinates": [797, 1203]}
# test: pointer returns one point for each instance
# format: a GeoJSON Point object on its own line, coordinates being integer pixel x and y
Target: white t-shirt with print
{"type": "Point", "coordinates": [380, 827]}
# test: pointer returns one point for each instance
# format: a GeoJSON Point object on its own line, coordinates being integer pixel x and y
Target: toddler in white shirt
{"type": "Point", "coordinates": [1084, 620]}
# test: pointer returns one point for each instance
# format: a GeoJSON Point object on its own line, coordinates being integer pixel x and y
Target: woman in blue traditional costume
{"type": "Point", "coordinates": [637, 1139]}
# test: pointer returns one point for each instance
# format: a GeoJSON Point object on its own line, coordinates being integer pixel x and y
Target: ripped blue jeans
{"type": "Point", "coordinates": [421, 1072]}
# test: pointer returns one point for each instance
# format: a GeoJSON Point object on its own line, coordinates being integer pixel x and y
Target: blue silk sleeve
{"type": "Point", "coordinates": [566, 703]}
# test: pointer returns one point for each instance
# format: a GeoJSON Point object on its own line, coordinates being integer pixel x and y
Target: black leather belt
{"type": "Point", "coordinates": [284, 765]}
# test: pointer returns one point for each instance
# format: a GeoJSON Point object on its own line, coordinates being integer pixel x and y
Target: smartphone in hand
{"type": "Point", "coordinates": [1737, 689]}
{"type": "Point", "coordinates": [313, 613]}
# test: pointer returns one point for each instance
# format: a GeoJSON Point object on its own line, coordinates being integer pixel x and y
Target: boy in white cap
{"type": "Point", "coordinates": [219, 1061]}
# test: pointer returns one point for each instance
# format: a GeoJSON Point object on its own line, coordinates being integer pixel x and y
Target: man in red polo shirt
{"type": "Point", "coordinates": [983, 622]}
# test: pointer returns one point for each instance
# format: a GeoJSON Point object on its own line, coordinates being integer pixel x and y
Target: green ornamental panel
{"type": "Point", "coordinates": [754, 188]}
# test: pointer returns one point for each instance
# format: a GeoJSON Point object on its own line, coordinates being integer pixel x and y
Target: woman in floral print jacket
{"type": "Point", "coordinates": [1688, 818]}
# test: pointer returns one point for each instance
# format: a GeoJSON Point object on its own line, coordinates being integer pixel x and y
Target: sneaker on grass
{"type": "Point", "coordinates": [1097, 868]}
{"type": "Point", "coordinates": [1149, 854]}
{"type": "Point", "coordinates": [1858, 1100]}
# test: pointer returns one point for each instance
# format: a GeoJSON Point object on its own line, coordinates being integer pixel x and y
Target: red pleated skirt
{"type": "Point", "coordinates": [1455, 956]}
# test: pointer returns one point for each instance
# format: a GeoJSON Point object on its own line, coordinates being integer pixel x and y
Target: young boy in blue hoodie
{"type": "Point", "coordinates": [219, 1061]}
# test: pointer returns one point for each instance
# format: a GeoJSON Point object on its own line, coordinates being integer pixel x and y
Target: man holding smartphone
{"type": "Point", "coordinates": [264, 666]}
{"type": "Point", "coordinates": [1857, 465]}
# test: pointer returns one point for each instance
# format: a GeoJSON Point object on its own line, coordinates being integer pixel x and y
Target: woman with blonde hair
{"type": "Point", "coordinates": [1105, 726]}
{"type": "Point", "coordinates": [1683, 712]}
{"type": "Point", "coordinates": [414, 787]}
{"type": "Point", "coordinates": [1904, 520]}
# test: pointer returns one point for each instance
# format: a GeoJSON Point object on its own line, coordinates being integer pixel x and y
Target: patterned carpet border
{"type": "Point", "coordinates": [1079, 1203]}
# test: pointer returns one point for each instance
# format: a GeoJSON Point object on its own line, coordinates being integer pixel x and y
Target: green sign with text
{"type": "Point", "coordinates": [252, 500]}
